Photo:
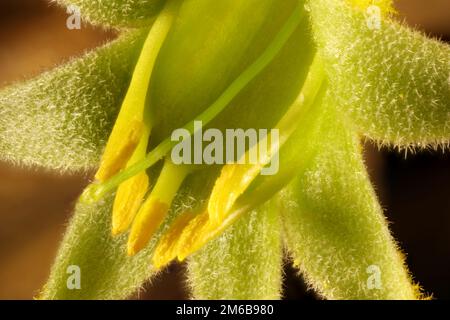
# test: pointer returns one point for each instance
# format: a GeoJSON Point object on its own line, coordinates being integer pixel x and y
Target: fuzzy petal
{"type": "Point", "coordinates": [106, 270]}
{"type": "Point", "coordinates": [244, 263]}
{"type": "Point", "coordinates": [117, 13]}
{"type": "Point", "coordinates": [334, 227]}
{"type": "Point", "coordinates": [61, 119]}
{"type": "Point", "coordinates": [392, 81]}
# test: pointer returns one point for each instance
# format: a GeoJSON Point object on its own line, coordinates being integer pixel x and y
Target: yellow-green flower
{"type": "Point", "coordinates": [314, 70]}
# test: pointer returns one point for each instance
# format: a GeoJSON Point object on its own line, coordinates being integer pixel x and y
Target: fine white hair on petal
{"type": "Point", "coordinates": [61, 119]}
{"type": "Point", "coordinates": [116, 13]}
{"type": "Point", "coordinates": [393, 82]}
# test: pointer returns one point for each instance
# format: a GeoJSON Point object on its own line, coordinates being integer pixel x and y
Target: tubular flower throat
{"type": "Point", "coordinates": [125, 157]}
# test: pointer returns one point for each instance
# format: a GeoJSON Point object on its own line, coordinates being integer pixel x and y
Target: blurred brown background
{"type": "Point", "coordinates": [35, 205]}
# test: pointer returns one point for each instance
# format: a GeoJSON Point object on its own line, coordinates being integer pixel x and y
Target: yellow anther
{"type": "Point", "coordinates": [192, 237]}
{"type": "Point", "coordinates": [167, 248]}
{"type": "Point", "coordinates": [129, 198]}
{"type": "Point", "coordinates": [232, 183]}
{"type": "Point", "coordinates": [187, 235]}
{"type": "Point", "coordinates": [130, 194]}
{"type": "Point", "coordinates": [154, 210]}
{"type": "Point", "coordinates": [121, 145]}
{"type": "Point", "coordinates": [236, 178]}
{"type": "Point", "coordinates": [132, 117]}
{"type": "Point", "coordinates": [148, 220]}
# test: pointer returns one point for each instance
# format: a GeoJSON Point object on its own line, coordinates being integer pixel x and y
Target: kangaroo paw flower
{"type": "Point", "coordinates": [314, 75]}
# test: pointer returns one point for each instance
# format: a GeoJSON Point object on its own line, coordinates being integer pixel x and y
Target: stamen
{"type": "Point", "coordinates": [233, 181]}
{"type": "Point", "coordinates": [127, 130]}
{"type": "Point", "coordinates": [192, 236]}
{"type": "Point", "coordinates": [129, 197]}
{"type": "Point", "coordinates": [130, 193]}
{"type": "Point", "coordinates": [154, 210]}
{"type": "Point", "coordinates": [149, 218]}
{"type": "Point", "coordinates": [120, 147]}
{"type": "Point", "coordinates": [187, 235]}
{"type": "Point", "coordinates": [200, 231]}
{"type": "Point", "coordinates": [236, 178]}
{"type": "Point", "coordinates": [167, 248]}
